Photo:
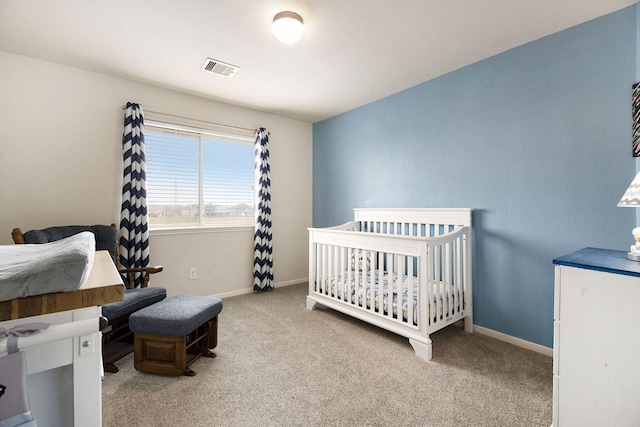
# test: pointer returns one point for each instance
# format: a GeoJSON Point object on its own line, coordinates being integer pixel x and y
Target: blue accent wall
{"type": "Point", "coordinates": [537, 140]}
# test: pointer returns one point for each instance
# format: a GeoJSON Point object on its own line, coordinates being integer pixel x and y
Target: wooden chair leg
{"type": "Point", "coordinates": [207, 353]}
{"type": "Point", "coordinates": [212, 340]}
{"type": "Point", "coordinates": [110, 367]}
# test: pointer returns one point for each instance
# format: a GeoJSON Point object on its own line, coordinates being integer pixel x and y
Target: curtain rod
{"type": "Point", "coordinates": [124, 107]}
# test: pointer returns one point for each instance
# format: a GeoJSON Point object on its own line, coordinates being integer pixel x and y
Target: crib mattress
{"type": "Point", "coordinates": [356, 289]}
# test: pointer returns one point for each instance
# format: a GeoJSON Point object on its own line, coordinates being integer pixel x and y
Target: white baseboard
{"type": "Point", "coordinates": [250, 290]}
{"type": "Point", "coordinates": [292, 282]}
{"type": "Point", "coordinates": [513, 340]}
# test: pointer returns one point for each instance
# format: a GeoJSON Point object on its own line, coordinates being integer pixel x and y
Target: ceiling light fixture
{"type": "Point", "coordinates": [287, 27]}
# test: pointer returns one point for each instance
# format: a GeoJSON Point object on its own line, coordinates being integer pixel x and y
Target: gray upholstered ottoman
{"type": "Point", "coordinates": [173, 333]}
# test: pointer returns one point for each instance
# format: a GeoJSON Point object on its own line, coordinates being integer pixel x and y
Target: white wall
{"type": "Point", "coordinates": [61, 164]}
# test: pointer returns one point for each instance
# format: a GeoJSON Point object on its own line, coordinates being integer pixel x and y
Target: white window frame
{"type": "Point", "coordinates": [221, 132]}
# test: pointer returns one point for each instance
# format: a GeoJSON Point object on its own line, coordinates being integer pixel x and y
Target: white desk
{"type": "Point", "coordinates": [64, 379]}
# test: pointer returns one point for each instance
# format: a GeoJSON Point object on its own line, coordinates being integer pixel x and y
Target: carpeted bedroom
{"type": "Point", "coordinates": [279, 364]}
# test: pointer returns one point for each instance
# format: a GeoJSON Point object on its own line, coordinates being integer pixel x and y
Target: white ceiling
{"type": "Point", "coordinates": [353, 52]}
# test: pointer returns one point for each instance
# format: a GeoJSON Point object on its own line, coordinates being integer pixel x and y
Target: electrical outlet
{"type": "Point", "coordinates": [193, 273]}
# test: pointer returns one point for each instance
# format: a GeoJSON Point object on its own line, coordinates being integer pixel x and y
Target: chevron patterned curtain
{"type": "Point", "coordinates": [134, 231]}
{"type": "Point", "coordinates": [263, 251]}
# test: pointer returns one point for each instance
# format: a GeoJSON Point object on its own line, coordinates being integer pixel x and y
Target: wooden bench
{"type": "Point", "coordinates": [171, 334]}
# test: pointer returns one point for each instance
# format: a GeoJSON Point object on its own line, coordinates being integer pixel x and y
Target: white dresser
{"type": "Point", "coordinates": [596, 349]}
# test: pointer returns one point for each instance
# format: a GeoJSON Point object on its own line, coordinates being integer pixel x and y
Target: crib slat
{"type": "Point", "coordinates": [448, 310]}
{"type": "Point", "coordinates": [353, 276]}
{"type": "Point", "coordinates": [350, 284]}
{"type": "Point", "coordinates": [410, 277]}
{"type": "Point", "coordinates": [385, 265]}
{"type": "Point", "coordinates": [340, 275]}
{"type": "Point", "coordinates": [316, 271]}
{"type": "Point", "coordinates": [391, 279]}
{"type": "Point", "coordinates": [327, 269]}
{"type": "Point", "coordinates": [441, 285]}
{"type": "Point", "coordinates": [445, 280]}
{"type": "Point", "coordinates": [398, 275]}
{"type": "Point", "coordinates": [458, 277]}
{"type": "Point", "coordinates": [323, 268]}
{"type": "Point", "coordinates": [331, 289]}
{"type": "Point", "coordinates": [335, 272]}
{"type": "Point", "coordinates": [400, 288]}
{"type": "Point", "coordinates": [366, 280]}
{"type": "Point", "coordinates": [404, 287]}
{"type": "Point", "coordinates": [357, 282]}
{"type": "Point", "coordinates": [461, 279]}
{"type": "Point", "coordinates": [317, 268]}
{"type": "Point", "coordinates": [437, 274]}
{"type": "Point", "coordinates": [330, 268]}
{"type": "Point", "coordinates": [393, 274]}
{"type": "Point", "coordinates": [453, 298]}
{"type": "Point", "coordinates": [429, 280]}
{"type": "Point", "coordinates": [327, 262]}
{"type": "Point", "coordinates": [372, 280]}
{"type": "Point", "coordinates": [377, 271]}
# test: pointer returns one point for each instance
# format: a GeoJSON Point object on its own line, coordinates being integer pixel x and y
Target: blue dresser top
{"type": "Point", "coordinates": [605, 260]}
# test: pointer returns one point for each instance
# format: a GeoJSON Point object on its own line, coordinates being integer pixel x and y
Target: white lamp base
{"type": "Point", "coordinates": [634, 251]}
{"type": "Point", "coordinates": [633, 257]}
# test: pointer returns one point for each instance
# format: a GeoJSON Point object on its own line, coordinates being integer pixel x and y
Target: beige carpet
{"type": "Point", "coordinates": [280, 364]}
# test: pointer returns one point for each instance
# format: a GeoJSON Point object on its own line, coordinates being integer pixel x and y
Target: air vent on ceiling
{"type": "Point", "coordinates": [219, 67]}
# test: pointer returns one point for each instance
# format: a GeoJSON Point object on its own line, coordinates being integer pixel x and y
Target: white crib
{"type": "Point", "coordinates": [404, 270]}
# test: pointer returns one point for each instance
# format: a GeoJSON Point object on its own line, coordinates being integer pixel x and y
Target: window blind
{"type": "Point", "coordinates": [198, 178]}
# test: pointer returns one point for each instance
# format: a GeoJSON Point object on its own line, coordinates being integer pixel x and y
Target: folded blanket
{"type": "Point", "coordinates": [60, 266]}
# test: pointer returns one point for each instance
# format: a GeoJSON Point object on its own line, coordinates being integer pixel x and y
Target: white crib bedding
{"type": "Point", "coordinates": [358, 290]}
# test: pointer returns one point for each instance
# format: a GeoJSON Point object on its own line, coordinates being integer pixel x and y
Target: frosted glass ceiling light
{"type": "Point", "coordinates": [287, 27]}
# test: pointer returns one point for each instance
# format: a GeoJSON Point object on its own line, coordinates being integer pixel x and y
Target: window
{"type": "Point", "coordinates": [198, 177]}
